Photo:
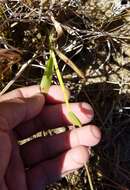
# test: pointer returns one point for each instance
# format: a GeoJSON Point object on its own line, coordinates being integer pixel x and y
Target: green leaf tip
{"type": "Point", "coordinates": [74, 119]}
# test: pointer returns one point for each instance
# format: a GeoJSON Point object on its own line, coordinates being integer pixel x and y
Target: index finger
{"type": "Point", "coordinates": [55, 94]}
{"type": "Point", "coordinates": [25, 103]}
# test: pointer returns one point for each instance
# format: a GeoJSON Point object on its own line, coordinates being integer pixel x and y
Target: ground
{"type": "Point", "coordinates": [95, 36]}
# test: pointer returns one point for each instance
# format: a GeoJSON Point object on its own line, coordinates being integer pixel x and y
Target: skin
{"type": "Point", "coordinates": [32, 166]}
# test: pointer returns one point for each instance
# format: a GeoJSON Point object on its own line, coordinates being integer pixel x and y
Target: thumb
{"type": "Point", "coordinates": [5, 151]}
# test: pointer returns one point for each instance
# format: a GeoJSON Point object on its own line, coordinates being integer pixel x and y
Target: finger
{"type": "Point", "coordinates": [55, 94]}
{"type": "Point", "coordinates": [42, 149]}
{"type": "Point", "coordinates": [15, 111]}
{"type": "Point", "coordinates": [51, 170]}
{"type": "Point", "coordinates": [5, 151]}
{"type": "Point", "coordinates": [25, 92]}
{"type": "Point", "coordinates": [15, 175]}
{"type": "Point", "coordinates": [54, 116]}
{"type": "Point", "coordinates": [3, 185]}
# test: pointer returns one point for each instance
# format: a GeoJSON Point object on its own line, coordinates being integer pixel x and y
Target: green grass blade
{"type": "Point", "coordinates": [71, 116]}
{"type": "Point", "coordinates": [60, 79]}
{"type": "Point", "coordinates": [47, 76]}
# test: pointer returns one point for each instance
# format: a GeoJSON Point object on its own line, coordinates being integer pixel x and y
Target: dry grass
{"type": "Point", "coordinates": [97, 40]}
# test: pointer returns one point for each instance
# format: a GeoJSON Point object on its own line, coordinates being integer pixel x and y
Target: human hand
{"type": "Point", "coordinates": [42, 161]}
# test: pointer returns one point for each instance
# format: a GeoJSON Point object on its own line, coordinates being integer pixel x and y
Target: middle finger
{"type": "Point", "coordinates": [53, 116]}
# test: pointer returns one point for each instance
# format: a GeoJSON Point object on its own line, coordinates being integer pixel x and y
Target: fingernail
{"type": "Point", "coordinates": [95, 131]}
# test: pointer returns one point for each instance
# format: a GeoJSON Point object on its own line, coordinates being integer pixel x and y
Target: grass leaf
{"type": "Point", "coordinates": [58, 27]}
{"type": "Point", "coordinates": [89, 177]}
{"type": "Point", "coordinates": [60, 80]}
{"type": "Point", "coordinates": [71, 116]}
{"type": "Point", "coordinates": [69, 63]}
{"type": "Point", "coordinates": [74, 119]}
{"type": "Point", "coordinates": [47, 77]}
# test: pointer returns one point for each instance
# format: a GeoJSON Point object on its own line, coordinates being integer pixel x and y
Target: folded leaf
{"type": "Point", "coordinates": [47, 76]}
{"type": "Point", "coordinates": [74, 119]}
